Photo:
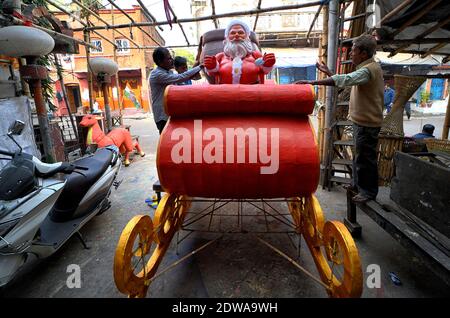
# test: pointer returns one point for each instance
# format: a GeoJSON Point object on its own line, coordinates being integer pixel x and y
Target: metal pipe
{"type": "Point", "coordinates": [217, 16]}
{"type": "Point", "coordinates": [333, 10]}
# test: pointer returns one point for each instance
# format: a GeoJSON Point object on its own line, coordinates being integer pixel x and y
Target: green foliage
{"type": "Point", "coordinates": [186, 54]}
{"type": "Point", "coordinates": [93, 5]}
{"type": "Point", "coordinates": [424, 96]}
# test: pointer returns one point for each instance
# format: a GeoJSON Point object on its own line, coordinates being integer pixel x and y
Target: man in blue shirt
{"type": "Point", "coordinates": [180, 64]}
{"type": "Point", "coordinates": [389, 95]}
{"type": "Point", "coordinates": [427, 132]}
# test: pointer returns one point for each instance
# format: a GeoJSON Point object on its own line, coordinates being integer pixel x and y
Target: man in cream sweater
{"type": "Point", "coordinates": [365, 110]}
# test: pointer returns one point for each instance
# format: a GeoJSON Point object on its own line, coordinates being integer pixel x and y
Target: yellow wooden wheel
{"type": "Point", "coordinates": [312, 221]}
{"type": "Point", "coordinates": [169, 216]}
{"type": "Point", "coordinates": [134, 244]}
{"type": "Point", "coordinates": [341, 249]}
{"type": "Point", "coordinates": [332, 247]}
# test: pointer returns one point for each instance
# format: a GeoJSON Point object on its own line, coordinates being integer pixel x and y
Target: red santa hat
{"type": "Point", "coordinates": [237, 22]}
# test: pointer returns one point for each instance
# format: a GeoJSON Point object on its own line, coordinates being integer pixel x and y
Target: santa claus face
{"type": "Point", "coordinates": [237, 44]}
{"type": "Point", "coordinates": [237, 33]}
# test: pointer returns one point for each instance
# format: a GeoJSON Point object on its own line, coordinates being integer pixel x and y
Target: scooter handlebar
{"type": "Point", "coordinates": [6, 153]}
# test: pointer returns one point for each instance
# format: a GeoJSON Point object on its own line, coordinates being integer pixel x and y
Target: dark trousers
{"type": "Point", "coordinates": [160, 125]}
{"type": "Point", "coordinates": [365, 169]}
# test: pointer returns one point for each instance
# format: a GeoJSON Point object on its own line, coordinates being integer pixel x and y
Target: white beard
{"type": "Point", "coordinates": [239, 49]}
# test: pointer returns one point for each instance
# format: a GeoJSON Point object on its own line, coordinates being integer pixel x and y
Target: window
{"type": "Point", "coordinates": [98, 44]}
{"type": "Point", "coordinates": [289, 21]}
{"type": "Point", "coordinates": [123, 46]}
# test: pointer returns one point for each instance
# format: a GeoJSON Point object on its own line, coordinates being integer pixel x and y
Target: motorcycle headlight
{"type": "Point", "coordinates": [7, 226]}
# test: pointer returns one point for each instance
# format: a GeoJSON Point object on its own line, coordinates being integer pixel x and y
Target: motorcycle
{"type": "Point", "coordinates": [43, 205]}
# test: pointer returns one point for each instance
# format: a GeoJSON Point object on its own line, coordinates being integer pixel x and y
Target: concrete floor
{"type": "Point", "coordinates": [237, 265]}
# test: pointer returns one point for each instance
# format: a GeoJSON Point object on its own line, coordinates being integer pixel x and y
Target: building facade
{"type": "Point", "coordinates": [134, 64]}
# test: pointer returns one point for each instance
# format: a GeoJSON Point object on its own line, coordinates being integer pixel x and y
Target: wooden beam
{"type": "Point", "coordinates": [424, 34]}
{"type": "Point", "coordinates": [416, 17]}
{"type": "Point", "coordinates": [407, 42]}
{"type": "Point", "coordinates": [217, 16]}
{"type": "Point", "coordinates": [433, 49]}
{"type": "Point", "coordinates": [413, 51]}
{"type": "Point", "coordinates": [395, 11]}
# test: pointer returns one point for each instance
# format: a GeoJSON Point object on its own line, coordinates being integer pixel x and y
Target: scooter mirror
{"type": "Point", "coordinates": [16, 128]}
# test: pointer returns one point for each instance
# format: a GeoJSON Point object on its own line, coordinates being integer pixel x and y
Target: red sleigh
{"type": "Point", "coordinates": [237, 144]}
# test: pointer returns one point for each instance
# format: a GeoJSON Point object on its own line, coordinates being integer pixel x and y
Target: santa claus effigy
{"type": "Point", "coordinates": [237, 140]}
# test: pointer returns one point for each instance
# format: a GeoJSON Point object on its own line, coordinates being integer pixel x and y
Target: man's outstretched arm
{"type": "Point", "coordinates": [327, 82]}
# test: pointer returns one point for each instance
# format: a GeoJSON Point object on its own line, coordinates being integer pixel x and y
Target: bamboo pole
{"type": "Point", "coordinates": [211, 17]}
{"type": "Point", "coordinates": [133, 22]}
{"type": "Point", "coordinates": [53, 33]}
{"type": "Point", "coordinates": [106, 23]}
{"type": "Point", "coordinates": [79, 20]}
{"type": "Point", "coordinates": [147, 13]}
{"type": "Point", "coordinates": [213, 7]}
{"type": "Point", "coordinates": [257, 15]}
{"type": "Point", "coordinates": [179, 24]}
{"type": "Point", "coordinates": [313, 22]}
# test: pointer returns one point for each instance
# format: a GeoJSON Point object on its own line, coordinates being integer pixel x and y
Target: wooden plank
{"type": "Point", "coordinates": [409, 238]}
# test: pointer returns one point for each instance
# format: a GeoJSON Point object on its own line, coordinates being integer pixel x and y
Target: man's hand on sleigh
{"type": "Point", "coordinates": [210, 62]}
{"type": "Point", "coordinates": [269, 60]}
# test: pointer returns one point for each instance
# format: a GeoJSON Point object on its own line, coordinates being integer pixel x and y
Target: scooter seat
{"type": "Point", "coordinates": [78, 184]}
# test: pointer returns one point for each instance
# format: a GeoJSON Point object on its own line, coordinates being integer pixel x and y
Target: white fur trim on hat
{"type": "Point", "coordinates": [239, 22]}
